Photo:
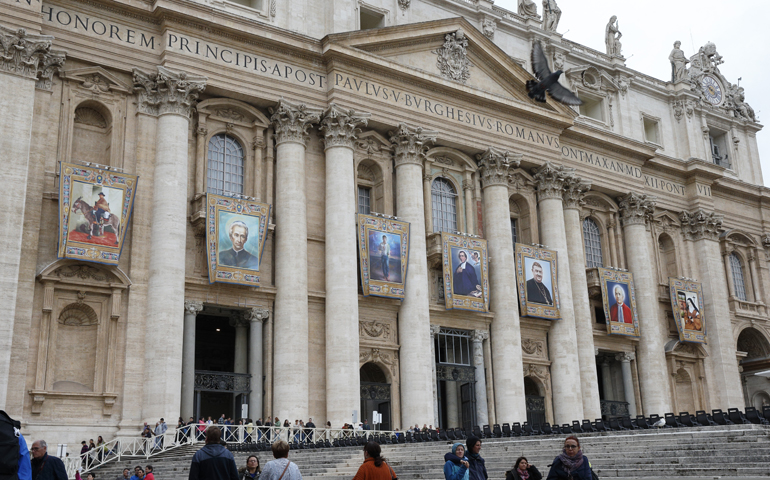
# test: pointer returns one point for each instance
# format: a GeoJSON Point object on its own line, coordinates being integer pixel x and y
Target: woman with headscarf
{"type": "Point", "coordinates": [571, 464]}
{"type": "Point", "coordinates": [476, 468]}
{"type": "Point", "coordinates": [456, 466]}
{"type": "Point", "coordinates": [523, 470]}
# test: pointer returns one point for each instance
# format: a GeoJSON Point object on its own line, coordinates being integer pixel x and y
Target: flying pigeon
{"type": "Point", "coordinates": [548, 81]}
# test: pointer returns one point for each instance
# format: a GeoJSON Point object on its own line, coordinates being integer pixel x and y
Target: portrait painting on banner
{"type": "Point", "coordinates": [687, 305]}
{"type": "Point", "coordinates": [466, 286]}
{"type": "Point", "coordinates": [619, 301]}
{"type": "Point", "coordinates": [236, 231]}
{"type": "Point", "coordinates": [383, 250]}
{"type": "Point", "coordinates": [536, 275]}
{"type": "Point", "coordinates": [94, 207]}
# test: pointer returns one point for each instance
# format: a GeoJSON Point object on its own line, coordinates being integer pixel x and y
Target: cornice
{"type": "Point", "coordinates": [611, 142]}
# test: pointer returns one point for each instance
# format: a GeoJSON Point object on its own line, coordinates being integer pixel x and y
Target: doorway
{"type": "Point", "coordinates": [375, 395]}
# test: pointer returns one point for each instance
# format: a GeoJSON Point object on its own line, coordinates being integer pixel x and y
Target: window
{"type": "Point", "coordinates": [364, 200]}
{"type": "Point", "coordinates": [592, 108]}
{"type": "Point", "coordinates": [255, 4]}
{"type": "Point", "coordinates": [514, 235]}
{"type": "Point", "coordinates": [718, 143]}
{"type": "Point", "coordinates": [225, 165]}
{"type": "Point", "coordinates": [444, 206]}
{"type": "Point", "coordinates": [651, 130]}
{"type": "Point", "coordinates": [737, 270]}
{"type": "Point", "coordinates": [371, 19]}
{"type": "Point", "coordinates": [593, 244]}
{"type": "Point", "coordinates": [453, 346]}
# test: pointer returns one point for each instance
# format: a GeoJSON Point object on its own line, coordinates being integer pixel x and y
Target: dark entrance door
{"type": "Point", "coordinates": [375, 396]}
{"type": "Point", "coordinates": [456, 396]}
{"type": "Point", "coordinates": [535, 402]}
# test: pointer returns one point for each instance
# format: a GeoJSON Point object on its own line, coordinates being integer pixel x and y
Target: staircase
{"type": "Point", "coordinates": [737, 451]}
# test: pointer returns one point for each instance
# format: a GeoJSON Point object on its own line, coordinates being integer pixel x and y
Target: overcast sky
{"type": "Point", "coordinates": [739, 29]}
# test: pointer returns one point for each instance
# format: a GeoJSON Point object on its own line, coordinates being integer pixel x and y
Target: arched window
{"type": "Point", "coordinates": [444, 206]}
{"type": "Point", "coordinates": [737, 270]}
{"type": "Point", "coordinates": [593, 243]}
{"type": "Point", "coordinates": [225, 165]}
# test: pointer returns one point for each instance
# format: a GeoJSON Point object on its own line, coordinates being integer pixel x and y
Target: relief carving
{"type": "Point", "coordinates": [374, 329]}
{"type": "Point", "coordinates": [532, 347]}
{"type": "Point", "coordinates": [229, 114]}
{"type": "Point", "coordinates": [453, 61]}
{"type": "Point", "coordinates": [89, 116]}
{"type": "Point", "coordinates": [84, 272]}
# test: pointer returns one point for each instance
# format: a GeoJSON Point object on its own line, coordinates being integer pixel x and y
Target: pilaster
{"type": "Point", "coordinates": [191, 310]}
{"type": "Point", "coordinates": [256, 317]}
{"type": "Point", "coordinates": [477, 344]}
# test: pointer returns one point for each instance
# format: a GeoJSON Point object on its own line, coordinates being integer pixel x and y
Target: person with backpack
{"type": "Point", "coordinates": [14, 455]}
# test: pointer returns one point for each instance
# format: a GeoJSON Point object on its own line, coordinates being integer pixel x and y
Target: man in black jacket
{"type": "Point", "coordinates": [213, 461]}
{"type": "Point", "coordinates": [44, 466]}
{"type": "Point", "coordinates": [476, 469]}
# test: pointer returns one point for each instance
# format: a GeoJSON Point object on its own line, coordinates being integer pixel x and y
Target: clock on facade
{"type": "Point", "coordinates": [712, 90]}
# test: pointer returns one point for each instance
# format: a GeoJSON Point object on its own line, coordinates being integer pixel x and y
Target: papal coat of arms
{"type": "Point", "coordinates": [453, 60]}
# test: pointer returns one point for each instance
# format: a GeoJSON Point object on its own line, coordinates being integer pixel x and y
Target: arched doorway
{"type": "Point", "coordinates": [685, 399]}
{"type": "Point", "coordinates": [755, 366]}
{"type": "Point", "coordinates": [535, 402]}
{"type": "Point", "coordinates": [375, 395]}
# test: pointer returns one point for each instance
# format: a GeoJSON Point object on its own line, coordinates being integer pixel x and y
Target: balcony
{"type": "Point", "coordinates": [593, 283]}
{"type": "Point", "coordinates": [226, 382]}
{"type": "Point", "coordinates": [748, 309]}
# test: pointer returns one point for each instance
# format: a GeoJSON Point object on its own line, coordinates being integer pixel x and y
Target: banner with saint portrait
{"type": "Point", "coordinates": [383, 246]}
{"type": "Point", "coordinates": [95, 206]}
{"type": "Point", "coordinates": [465, 272]}
{"type": "Point", "coordinates": [689, 314]}
{"type": "Point", "coordinates": [537, 271]}
{"type": "Point", "coordinates": [619, 301]}
{"type": "Point", "coordinates": [236, 231]}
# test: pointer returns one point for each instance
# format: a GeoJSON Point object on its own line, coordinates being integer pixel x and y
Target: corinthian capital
{"type": "Point", "coordinates": [256, 314]}
{"type": "Point", "coordinates": [551, 179]}
{"type": "Point", "coordinates": [29, 56]}
{"type": "Point", "coordinates": [479, 335]}
{"type": "Point", "coordinates": [291, 121]}
{"type": "Point", "coordinates": [574, 192]}
{"type": "Point", "coordinates": [636, 209]}
{"type": "Point", "coordinates": [411, 143]}
{"type": "Point", "coordinates": [495, 166]}
{"type": "Point", "coordinates": [167, 91]}
{"type": "Point", "coordinates": [192, 307]}
{"type": "Point", "coordinates": [340, 126]}
{"type": "Point", "coordinates": [701, 224]}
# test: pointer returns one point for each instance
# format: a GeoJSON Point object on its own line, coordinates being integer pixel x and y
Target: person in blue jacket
{"type": "Point", "coordinates": [571, 464]}
{"type": "Point", "coordinates": [456, 466]}
{"type": "Point", "coordinates": [25, 467]}
{"type": "Point", "coordinates": [476, 468]}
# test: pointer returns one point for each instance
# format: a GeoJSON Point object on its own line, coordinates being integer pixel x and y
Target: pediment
{"type": "Point", "coordinates": [233, 111]}
{"type": "Point", "coordinates": [96, 79]}
{"type": "Point", "coordinates": [454, 52]}
{"type": "Point", "coordinates": [591, 78]}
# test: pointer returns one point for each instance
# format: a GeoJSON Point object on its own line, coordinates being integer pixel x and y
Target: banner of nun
{"type": "Point", "coordinates": [383, 246]}
{"type": "Point", "coordinates": [687, 303]}
{"type": "Point", "coordinates": [466, 283]}
{"type": "Point", "coordinates": [236, 231]}
{"type": "Point", "coordinates": [94, 209]}
{"type": "Point", "coordinates": [536, 274]}
{"type": "Point", "coordinates": [619, 301]}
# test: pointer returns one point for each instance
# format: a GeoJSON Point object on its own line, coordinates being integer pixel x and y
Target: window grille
{"type": "Point", "coordinates": [364, 200]}
{"type": "Point", "coordinates": [593, 244]}
{"type": "Point", "coordinates": [444, 206]}
{"type": "Point", "coordinates": [453, 346]}
{"type": "Point", "coordinates": [737, 271]}
{"type": "Point", "coordinates": [225, 165]}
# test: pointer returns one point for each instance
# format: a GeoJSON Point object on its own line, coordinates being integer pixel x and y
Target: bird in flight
{"type": "Point", "coordinates": [548, 81]}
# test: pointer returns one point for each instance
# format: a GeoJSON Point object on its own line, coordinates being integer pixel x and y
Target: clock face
{"type": "Point", "coordinates": [712, 90]}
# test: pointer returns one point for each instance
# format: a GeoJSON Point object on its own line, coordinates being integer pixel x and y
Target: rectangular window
{"type": "Point", "coordinates": [651, 130]}
{"type": "Point", "coordinates": [453, 347]}
{"type": "Point", "coordinates": [364, 200]}
{"type": "Point", "coordinates": [719, 154]}
{"type": "Point", "coordinates": [371, 19]}
{"type": "Point", "coordinates": [514, 233]}
{"type": "Point", "coordinates": [592, 108]}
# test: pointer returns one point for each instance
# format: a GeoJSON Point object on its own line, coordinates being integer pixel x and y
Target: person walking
{"type": "Point", "coordinates": [570, 464]}
{"type": "Point", "coordinates": [374, 466]}
{"type": "Point", "coordinates": [252, 470]}
{"type": "Point", "coordinates": [476, 469]}
{"type": "Point", "coordinates": [456, 466]}
{"type": "Point", "coordinates": [44, 466]}
{"type": "Point", "coordinates": [523, 470]}
{"type": "Point", "coordinates": [213, 461]}
{"type": "Point", "coordinates": [281, 468]}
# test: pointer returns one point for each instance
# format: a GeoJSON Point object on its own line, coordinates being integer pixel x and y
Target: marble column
{"type": "Point", "coordinates": [754, 277]}
{"type": "Point", "coordinates": [505, 336]}
{"type": "Point", "coordinates": [628, 381]}
{"type": "Point", "coordinates": [27, 57]}
{"type": "Point", "coordinates": [562, 337]}
{"type": "Point", "coordinates": [574, 191]}
{"type": "Point", "coordinates": [427, 202]}
{"type": "Point", "coordinates": [477, 344]}
{"type": "Point", "coordinates": [410, 145]}
{"type": "Point", "coordinates": [729, 273]}
{"type": "Point", "coordinates": [343, 392]}
{"type": "Point", "coordinates": [469, 204]}
{"type": "Point", "coordinates": [452, 405]}
{"type": "Point", "coordinates": [255, 316]}
{"type": "Point", "coordinates": [290, 383]}
{"type": "Point", "coordinates": [241, 342]}
{"type": "Point", "coordinates": [434, 329]}
{"type": "Point", "coordinates": [191, 311]}
{"type": "Point", "coordinates": [636, 211]}
{"type": "Point", "coordinates": [607, 380]}
{"type": "Point", "coordinates": [169, 95]}
{"type": "Point", "coordinates": [703, 229]}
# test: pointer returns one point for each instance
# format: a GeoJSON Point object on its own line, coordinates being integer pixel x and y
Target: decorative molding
{"type": "Point", "coordinates": [495, 166]}
{"type": "Point", "coordinates": [291, 121]}
{"type": "Point", "coordinates": [229, 114]}
{"type": "Point", "coordinates": [411, 143]}
{"type": "Point", "coordinates": [538, 371]}
{"type": "Point", "coordinates": [489, 27]}
{"type": "Point", "coordinates": [29, 56]}
{"type": "Point", "coordinates": [551, 180]}
{"type": "Point", "coordinates": [532, 347]}
{"type": "Point", "coordinates": [78, 314]}
{"type": "Point", "coordinates": [454, 373]}
{"type": "Point", "coordinates": [373, 329]}
{"type": "Point", "coordinates": [83, 272]}
{"type": "Point", "coordinates": [636, 209]}
{"type": "Point", "coordinates": [167, 91]}
{"type": "Point", "coordinates": [404, 4]}
{"type": "Point", "coordinates": [340, 127]}
{"type": "Point", "coordinates": [192, 307]}
{"type": "Point", "coordinates": [701, 225]}
{"type": "Point", "coordinates": [625, 357]}
{"type": "Point", "coordinates": [574, 192]}
{"type": "Point", "coordinates": [453, 60]}
{"type": "Point", "coordinates": [90, 116]}
{"type": "Point", "coordinates": [479, 336]}
{"type": "Point", "coordinates": [434, 330]}
{"type": "Point", "coordinates": [256, 314]}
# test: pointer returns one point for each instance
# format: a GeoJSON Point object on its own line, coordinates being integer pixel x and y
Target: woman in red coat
{"type": "Point", "coordinates": [374, 466]}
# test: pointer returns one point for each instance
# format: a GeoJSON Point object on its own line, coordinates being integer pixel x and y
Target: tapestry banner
{"type": "Point", "coordinates": [619, 301]}
{"type": "Point", "coordinates": [537, 271]}
{"type": "Point", "coordinates": [383, 246]}
{"type": "Point", "coordinates": [95, 206]}
{"type": "Point", "coordinates": [465, 272]}
{"type": "Point", "coordinates": [236, 231]}
{"type": "Point", "coordinates": [687, 303]}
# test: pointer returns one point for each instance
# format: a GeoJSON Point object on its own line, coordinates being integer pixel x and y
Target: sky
{"type": "Point", "coordinates": [650, 28]}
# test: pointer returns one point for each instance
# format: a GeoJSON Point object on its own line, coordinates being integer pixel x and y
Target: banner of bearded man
{"type": "Point", "coordinates": [95, 206]}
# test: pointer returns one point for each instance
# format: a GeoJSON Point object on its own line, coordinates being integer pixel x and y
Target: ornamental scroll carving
{"type": "Point", "coordinates": [340, 127]}
{"type": "Point", "coordinates": [387, 358]}
{"type": "Point", "coordinates": [701, 224]}
{"type": "Point", "coordinates": [411, 143]}
{"type": "Point", "coordinates": [551, 180]}
{"type": "Point", "coordinates": [637, 209]}
{"type": "Point", "coordinates": [532, 347]}
{"type": "Point", "coordinates": [167, 91]}
{"type": "Point", "coordinates": [453, 60]}
{"type": "Point", "coordinates": [82, 272]}
{"type": "Point", "coordinates": [574, 192]}
{"type": "Point", "coordinates": [29, 56]}
{"type": "Point", "coordinates": [496, 165]}
{"type": "Point", "coordinates": [454, 373]}
{"type": "Point", "coordinates": [291, 121]}
{"type": "Point", "coordinates": [374, 329]}
{"type": "Point", "coordinates": [538, 371]}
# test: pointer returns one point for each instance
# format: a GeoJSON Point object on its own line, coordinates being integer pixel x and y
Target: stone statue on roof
{"type": "Point", "coordinates": [678, 63]}
{"type": "Point", "coordinates": [612, 37]}
{"type": "Point", "coordinates": [528, 8]}
{"type": "Point", "coordinates": [551, 15]}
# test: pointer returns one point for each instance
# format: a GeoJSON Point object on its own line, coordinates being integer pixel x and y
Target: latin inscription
{"type": "Point", "coordinates": [87, 24]}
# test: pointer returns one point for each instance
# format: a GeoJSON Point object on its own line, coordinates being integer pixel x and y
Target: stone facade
{"type": "Point", "coordinates": [325, 113]}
